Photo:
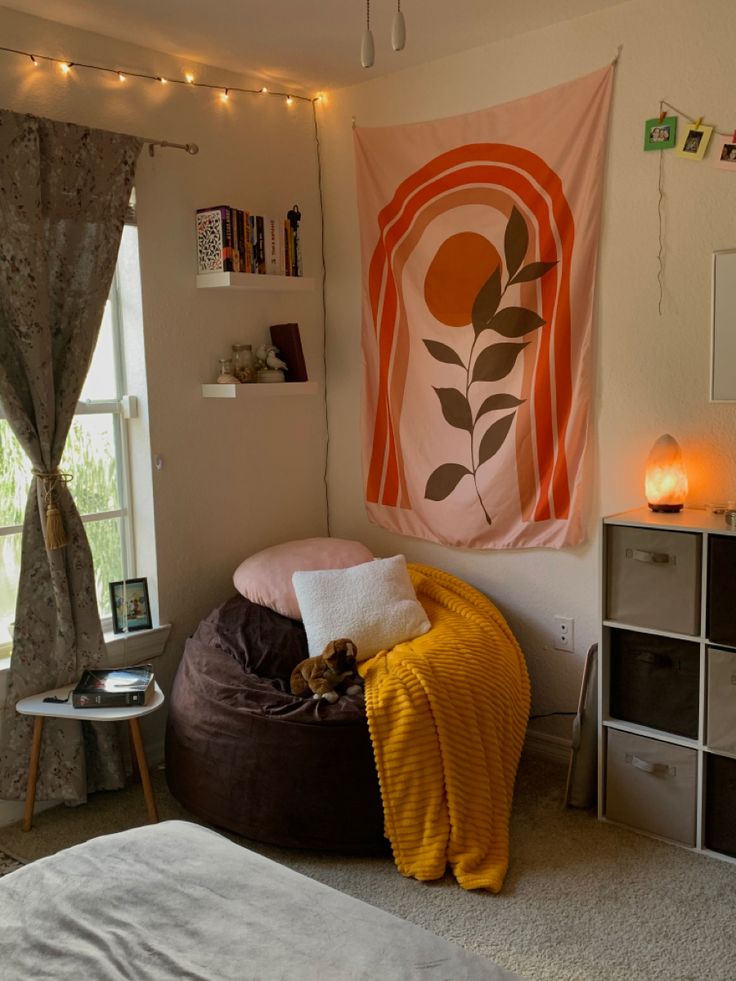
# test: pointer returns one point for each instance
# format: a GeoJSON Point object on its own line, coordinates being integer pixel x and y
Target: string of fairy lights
{"type": "Point", "coordinates": [224, 91]}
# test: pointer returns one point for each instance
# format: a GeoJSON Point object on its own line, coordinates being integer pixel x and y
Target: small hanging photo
{"type": "Point", "coordinates": [693, 142]}
{"type": "Point", "coordinates": [726, 153]}
{"type": "Point", "coordinates": [660, 134]}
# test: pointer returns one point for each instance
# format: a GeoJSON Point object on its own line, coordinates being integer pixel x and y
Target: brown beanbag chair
{"type": "Point", "coordinates": [244, 754]}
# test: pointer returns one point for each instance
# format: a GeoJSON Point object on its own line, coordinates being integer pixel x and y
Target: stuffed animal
{"type": "Point", "coordinates": [327, 675]}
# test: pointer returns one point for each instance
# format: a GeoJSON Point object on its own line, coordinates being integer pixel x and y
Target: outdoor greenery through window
{"type": "Point", "coordinates": [96, 454]}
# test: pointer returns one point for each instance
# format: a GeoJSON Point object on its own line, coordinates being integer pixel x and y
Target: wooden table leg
{"type": "Point", "coordinates": [33, 772]}
{"type": "Point", "coordinates": [140, 753]}
{"type": "Point", "coordinates": [135, 774]}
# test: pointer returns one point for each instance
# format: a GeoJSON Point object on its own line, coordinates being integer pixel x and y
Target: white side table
{"type": "Point", "coordinates": [34, 705]}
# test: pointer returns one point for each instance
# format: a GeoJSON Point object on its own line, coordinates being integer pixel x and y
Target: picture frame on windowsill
{"type": "Point", "coordinates": [131, 607]}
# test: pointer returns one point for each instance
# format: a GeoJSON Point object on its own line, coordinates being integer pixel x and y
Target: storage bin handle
{"type": "Point", "coordinates": [647, 766]}
{"type": "Point", "coordinates": [653, 558]}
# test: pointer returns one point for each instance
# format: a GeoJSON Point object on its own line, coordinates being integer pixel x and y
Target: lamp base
{"type": "Point", "coordinates": [668, 508]}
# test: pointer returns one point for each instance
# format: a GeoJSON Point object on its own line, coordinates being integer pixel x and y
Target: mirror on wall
{"type": "Point", "coordinates": [723, 340]}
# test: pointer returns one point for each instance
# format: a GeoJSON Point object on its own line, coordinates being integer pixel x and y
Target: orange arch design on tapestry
{"type": "Point", "coordinates": [383, 477]}
{"type": "Point", "coordinates": [525, 460]}
{"type": "Point", "coordinates": [391, 491]}
{"type": "Point", "coordinates": [553, 469]}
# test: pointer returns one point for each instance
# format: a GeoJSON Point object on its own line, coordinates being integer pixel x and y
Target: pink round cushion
{"type": "Point", "coordinates": [265, 578]}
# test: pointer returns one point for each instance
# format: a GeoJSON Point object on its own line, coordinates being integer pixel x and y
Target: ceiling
{"type": "Point", "coordinates": [301, 45]}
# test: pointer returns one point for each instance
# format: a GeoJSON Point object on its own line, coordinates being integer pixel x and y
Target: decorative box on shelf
{"type": "Point", "coordinates": [254, 281]}
{"type": "Point", "coordinates": [667, 681]}
{"type": "Point", "coordinates": [256, 390]}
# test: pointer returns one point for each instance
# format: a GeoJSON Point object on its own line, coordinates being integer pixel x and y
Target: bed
{"type": "Point", "coordinates": [177, 901]}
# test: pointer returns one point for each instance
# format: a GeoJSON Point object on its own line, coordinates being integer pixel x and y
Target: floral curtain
{"type": "Point", "coordinates": [63, 194]}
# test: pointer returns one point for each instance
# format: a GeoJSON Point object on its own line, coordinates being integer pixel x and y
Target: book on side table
{"type": "Point", "coordinates": [114, 687]}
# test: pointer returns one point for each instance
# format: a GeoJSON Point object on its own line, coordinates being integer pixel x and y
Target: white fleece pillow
{"type": "Point", "coordinates": [373, 604]}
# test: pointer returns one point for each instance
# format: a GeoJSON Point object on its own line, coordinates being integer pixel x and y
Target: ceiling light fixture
{"type": "Point", "coordinates": [367, 47]}
{"type": "Point", "coordinates": [398, 29]}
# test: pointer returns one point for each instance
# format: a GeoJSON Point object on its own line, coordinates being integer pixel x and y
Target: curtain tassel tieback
{"type": "Point", "coordinates": [55, 531]}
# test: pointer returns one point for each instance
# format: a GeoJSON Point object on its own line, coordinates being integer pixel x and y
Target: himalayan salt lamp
{"type": "Point", "coordinates": [665, 482]}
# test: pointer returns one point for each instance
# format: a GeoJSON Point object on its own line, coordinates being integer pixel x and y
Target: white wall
{"type": "Point", "coordinates": [236, 476]}
{"type": "Point", "coordinates": [651, 371]}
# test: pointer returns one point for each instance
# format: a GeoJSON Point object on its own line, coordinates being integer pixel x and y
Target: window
{"type": "Point", "coordinates": [96, 453]}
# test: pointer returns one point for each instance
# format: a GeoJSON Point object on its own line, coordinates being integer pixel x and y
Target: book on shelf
{"type": "Point", "coordinates": [214, 239]}
{"type": "Point", "coordinates": [260, 249]}
{"type": "Point", "coordinates": [286, 338]}
{"type": "Point", "coordinates": [274, 247]}
{"type": "Point", "coordinates": [114, 687]}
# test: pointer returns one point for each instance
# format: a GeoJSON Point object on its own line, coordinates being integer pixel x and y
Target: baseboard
{"type": "Point", "coordinates": [542, 745]}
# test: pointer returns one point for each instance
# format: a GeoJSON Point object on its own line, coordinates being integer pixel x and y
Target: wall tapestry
{"type": "Point", "coordinates": [479, 237]}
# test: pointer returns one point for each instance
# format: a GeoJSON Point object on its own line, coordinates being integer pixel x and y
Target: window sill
{"type": "Point", "coordinates": [123, 649]}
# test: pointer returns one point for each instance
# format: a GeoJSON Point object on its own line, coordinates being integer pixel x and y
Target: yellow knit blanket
{"type": "Point", "coordinates": [447, 713]}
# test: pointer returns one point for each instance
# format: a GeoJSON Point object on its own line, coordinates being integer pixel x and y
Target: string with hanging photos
{"type": "Point", "coordinates": [692, 142]}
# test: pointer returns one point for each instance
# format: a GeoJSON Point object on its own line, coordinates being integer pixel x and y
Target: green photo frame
{"type": "Point", "coordinates": [660, 135]}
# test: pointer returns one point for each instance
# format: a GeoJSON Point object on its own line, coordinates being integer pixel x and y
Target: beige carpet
{"type": "Point", "coordinates": [583, 901]}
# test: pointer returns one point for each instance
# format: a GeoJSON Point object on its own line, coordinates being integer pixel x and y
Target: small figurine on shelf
{"type": "Point", "coordinates": [269, 367]}
{"type": "Point", "coordinates": [225, 375]}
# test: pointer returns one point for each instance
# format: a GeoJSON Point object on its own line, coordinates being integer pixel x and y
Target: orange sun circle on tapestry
{"type": "Point", "coordinates": [460, 267]}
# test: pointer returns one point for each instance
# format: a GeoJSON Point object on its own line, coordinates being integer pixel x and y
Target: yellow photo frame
{"type": "Point", "coordinates": [693, 141]}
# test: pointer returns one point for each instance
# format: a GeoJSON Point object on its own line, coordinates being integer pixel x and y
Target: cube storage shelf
{"type": "Point", "coordinates": [667, 679]}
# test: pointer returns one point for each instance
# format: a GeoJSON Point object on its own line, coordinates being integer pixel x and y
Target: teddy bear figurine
{"type": "Point", "coordinates": [328, 675]}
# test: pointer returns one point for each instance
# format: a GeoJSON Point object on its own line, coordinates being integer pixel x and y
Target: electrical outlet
{"type": "Point", "coordinates": [564, 634]}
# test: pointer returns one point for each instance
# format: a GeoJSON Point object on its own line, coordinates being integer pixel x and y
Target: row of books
{"type": "Point", "coordinates": [232, 240]}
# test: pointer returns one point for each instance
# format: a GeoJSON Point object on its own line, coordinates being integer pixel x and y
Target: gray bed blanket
{"type": "Point", "coordinates": [177, 901]}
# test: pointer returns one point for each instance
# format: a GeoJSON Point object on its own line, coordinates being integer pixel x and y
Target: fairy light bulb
{"type": "Point", "coordinates": [65, 67]}
{"type": "Point", "coordinates": [121, 77]}
{"type": "Point", "coordinates": [33, 61]}
{"type": "Point", "coordinates": [289, 100]}
{"type": "Point", "coordinates": [190, 78]}
{"type": "Point", "coordinates": [225, 95]}
{"type": "Point", "coordinates": [264, 90]}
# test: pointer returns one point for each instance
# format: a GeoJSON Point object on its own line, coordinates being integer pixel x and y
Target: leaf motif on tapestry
{"type": "Point", "coordinates": [489, 363]}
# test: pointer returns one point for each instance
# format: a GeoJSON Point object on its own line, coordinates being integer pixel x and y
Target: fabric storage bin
{"type": "Point", "coordinates": [653, 578]}
{"type": "Point", "coordinates": [651, 785]}
{"type": "Point", "coordinates": [722, 590]}
{"type": "Point", "coordinates": [654, 681]}
{"type": "Point", "coordinates": [720, 804]}
{"type": "Point", "coordinates": [721, 717]}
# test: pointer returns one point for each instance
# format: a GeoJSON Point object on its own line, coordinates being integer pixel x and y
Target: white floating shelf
{"type": "Point", "coordinates": [257, 389]}
{"type": "Point", "coordinates": [254, 281]}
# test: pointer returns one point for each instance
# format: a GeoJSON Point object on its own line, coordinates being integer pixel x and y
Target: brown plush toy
{"type": "Point", "coordinates": [323, 675]}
